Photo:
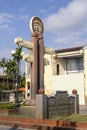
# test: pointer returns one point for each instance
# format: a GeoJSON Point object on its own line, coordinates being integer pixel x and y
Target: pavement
{"type": "Point", "coordinates": [12, 128]}
{"type": "Point", "coordinates": [16, 128]}
{"type": "Point", "coordinates": [83, 109]}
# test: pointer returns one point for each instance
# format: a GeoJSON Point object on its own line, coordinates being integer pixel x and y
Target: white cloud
{"type": "Point", "coordinates": [73, 16]}
{"type": "Point", "coordinates": [22, 10]}
{"type": "Point", "coordinates": [5, 22]}
{"type": "Point", "coordinates": [42, 11]}
{"type": "Point", "coordinates": [6, 52]}
{"type": "Point", "coordinates": [4, 26]}
{"type": "Point", "coordinates": [69, 24]}
{"type": "Point", "coordinates": [23, 17]}
{"type": "Point", "coordinates": [5, 18]}
{"type": "Point", "coordinates": [51, 0]}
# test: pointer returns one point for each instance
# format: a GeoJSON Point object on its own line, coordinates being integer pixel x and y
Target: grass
{"type": "Point", "coordinates": [73, 118]}
{"type": "Point", "coordinates": [17, 116]}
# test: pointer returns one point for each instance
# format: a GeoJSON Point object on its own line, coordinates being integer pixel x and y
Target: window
{"type": "Point", "coordinates": [74, 65]}
{"type": "Point", "coordinates": [57, 67]}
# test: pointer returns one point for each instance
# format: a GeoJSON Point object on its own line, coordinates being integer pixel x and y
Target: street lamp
{"type": "Point", "coordinates": [13, 52]}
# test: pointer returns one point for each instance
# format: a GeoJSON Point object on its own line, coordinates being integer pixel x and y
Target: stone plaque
{"type": "Point", "coordinates": [36, 26]}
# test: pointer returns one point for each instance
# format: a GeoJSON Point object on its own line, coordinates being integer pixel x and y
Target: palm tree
{"type": "Point", "coordinates": [3, 65]}
{"type": "Point", "coordinates": [23, 80]}
{"type": "Point", "coordinates": [18, 57]}
{"type": "Point", "coordinates": [17, 68]}
{"type": "Point", "coordinates": [11, 69]}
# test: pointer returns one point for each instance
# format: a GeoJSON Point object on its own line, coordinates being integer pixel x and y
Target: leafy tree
{"type": "Point", "coordinates": [3, 65]}
{"type": "Point", "coordinates": [23, 80]}
{"type": "Point", "coordinates": [12, 69]}
{"type": "Point", "coordinates": [18, 57]}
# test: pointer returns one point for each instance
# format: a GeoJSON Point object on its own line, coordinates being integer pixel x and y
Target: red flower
{"type": "Point", "coordinates": [41, 91]}
{"type": "Point", "coordinates": [74, 91]}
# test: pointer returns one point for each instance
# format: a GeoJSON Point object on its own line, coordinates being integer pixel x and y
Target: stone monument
{"type": "Point", "coordinates": [36, 44]}
{"type": "Point", "coordinates": [37, 67]}
{"type": "Point", "coordinates": [42, 106]}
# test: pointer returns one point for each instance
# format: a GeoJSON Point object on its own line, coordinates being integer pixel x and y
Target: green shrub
{"type": "Point", "coordinates": [6, 106]}
{"type": "Point", "coordinates": [73, 118]}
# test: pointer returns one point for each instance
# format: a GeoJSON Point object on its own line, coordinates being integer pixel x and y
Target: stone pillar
{"type": "Point", "coordinates": [76, 107]}
{"type": "Point", "coordinates": [34, 70]}
{"type": "Point", "coordinates": [41, 63]}
{"type": "Point", "coordinates": [26, 83]}
{"type": "Point", "coordinates": [41, 106]}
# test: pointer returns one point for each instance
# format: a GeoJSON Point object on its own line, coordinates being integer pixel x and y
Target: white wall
{"type": "Point", "coordinates": [70, 82]}
{"type": "Point", "coordinates": [48, 75]}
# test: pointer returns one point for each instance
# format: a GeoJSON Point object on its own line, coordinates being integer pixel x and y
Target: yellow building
{"type": "Point", "coordinates": [67, 70]}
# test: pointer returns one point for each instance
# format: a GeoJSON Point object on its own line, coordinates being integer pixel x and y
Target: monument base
{"type": "Point", "coordinates": [41, 106]}
{"type": "Point", "coordinates": [27, 111]}
{"type": "Point", "coordinates": [32, 102]}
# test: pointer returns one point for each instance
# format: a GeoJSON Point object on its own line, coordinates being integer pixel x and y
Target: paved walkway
{"type": "Point", "coordinates": [83, 109]}
{"type": "Point", "coordinates": [12, 128]}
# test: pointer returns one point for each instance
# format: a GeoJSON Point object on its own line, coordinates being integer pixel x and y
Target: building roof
{"type": "Point", "coordinates": [69, 49]}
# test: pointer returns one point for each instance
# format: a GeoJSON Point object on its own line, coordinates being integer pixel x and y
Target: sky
{"type": "Point", "coordinates": [65, 23]}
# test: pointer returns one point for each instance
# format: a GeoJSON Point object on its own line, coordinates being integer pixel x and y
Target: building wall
{"type": "Point", "coordinates": [62, 65]}
{"type": "Point", "coordinates": [70, 82]}
{"type": "Point", "coordinates": [48, 74]}
{"type": "Point", "coordinates": [64, 81]}
{"type": "Point", "coordinates": [85, 73]}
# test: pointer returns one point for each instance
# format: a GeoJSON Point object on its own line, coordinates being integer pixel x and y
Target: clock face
{"type": "Point", "coordinates": [36, 25]}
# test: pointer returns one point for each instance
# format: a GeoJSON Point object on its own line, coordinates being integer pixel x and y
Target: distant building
{"type": "Point", "coordinates": [5, 82]}
{"type": "Point", "coordinates": [67, 70]}
{"type": "Point", "coordinates": [7, 94]}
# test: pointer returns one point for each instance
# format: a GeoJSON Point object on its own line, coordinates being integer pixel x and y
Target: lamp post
{"type": "Point", "coordinates": [13, 52]}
